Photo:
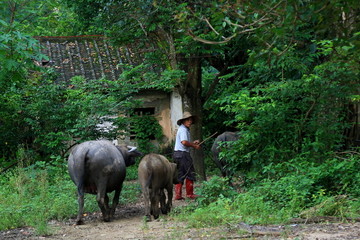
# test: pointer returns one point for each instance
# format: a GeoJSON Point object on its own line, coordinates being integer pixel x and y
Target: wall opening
{"type": "Point", "coordinates": [140, 112]}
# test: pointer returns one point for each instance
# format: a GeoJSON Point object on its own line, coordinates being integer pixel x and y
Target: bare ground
{"type": "Point", "coordinates": [129, 224]}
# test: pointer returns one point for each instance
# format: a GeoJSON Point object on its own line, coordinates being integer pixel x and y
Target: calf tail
{"type": "Point", "coordinates": [145, 175]}
{"type": "Point", "coordinates": [149, 178]}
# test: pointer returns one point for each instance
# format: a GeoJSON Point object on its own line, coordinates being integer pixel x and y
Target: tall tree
{"type": "Point", "coordinates": [250, 44]}
{"type": "Point", "coordinates": [152, 25]}
{"type": "Point", "coordinates": [39, 18]}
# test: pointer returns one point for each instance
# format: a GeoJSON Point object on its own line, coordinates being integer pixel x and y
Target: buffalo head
{"type": "Point", "coordinates": [129, 153]}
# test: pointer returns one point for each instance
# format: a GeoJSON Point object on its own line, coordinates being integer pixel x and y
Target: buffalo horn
{"type": "Point", "coordinates": [132, 148]}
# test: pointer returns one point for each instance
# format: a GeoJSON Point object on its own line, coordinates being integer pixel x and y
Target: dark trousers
{"type": "Point", "coordinates": [185, 166]}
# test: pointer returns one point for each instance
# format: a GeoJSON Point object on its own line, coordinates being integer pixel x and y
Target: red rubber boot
{"type": "Point", "coordinates": [190, 189]}
{"type": "Point", "coordinates": [178, 192]}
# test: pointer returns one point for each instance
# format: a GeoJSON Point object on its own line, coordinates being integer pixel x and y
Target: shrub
{"type": "Point", "coordinates": [216, 213]}
{"type": "Point", "coordinates": [245, 207]}
{"type": "Point", "coordinates": [292, 192]}
{"type": "Point", "coordinates": [214, 188]}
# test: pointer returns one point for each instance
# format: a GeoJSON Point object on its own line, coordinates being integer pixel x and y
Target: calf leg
{"type": "Point", "coordinates": [146, 195]}
{"type": "Point", "coordinates": [163, 205]}
{"type": "Point", "coordinates": [169, 190]}
{"type": "Point", "coordinates": [155, 197]}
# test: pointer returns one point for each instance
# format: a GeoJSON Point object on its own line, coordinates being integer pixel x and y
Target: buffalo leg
{"type": "Point", "coordinates": [115, 201]}
{"type": "Point", "coordinates": [106, 200]}
{"type": "Point", "coordinates": [81, 206]}
{"type": "Point", "coordinates": [100, 198]}
{"type": "Point", "coordinates": [226, 172]}
{"type": "Point", "coordinates": [219, 164]}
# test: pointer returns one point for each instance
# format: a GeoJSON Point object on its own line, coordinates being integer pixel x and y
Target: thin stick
{"type": "Point", "coordinates": [207, 138]}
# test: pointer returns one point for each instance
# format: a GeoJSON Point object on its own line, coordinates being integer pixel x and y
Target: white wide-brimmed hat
{"type": "Point", "coordinates": [187, 115]}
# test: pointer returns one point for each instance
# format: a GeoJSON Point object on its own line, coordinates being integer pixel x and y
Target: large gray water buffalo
{"type": "Point", "coordinates": [219, 143]}
{"type": "Point", "coordinates": [156, 174]}
{"type": "Point", "coordinates": [99, 167]}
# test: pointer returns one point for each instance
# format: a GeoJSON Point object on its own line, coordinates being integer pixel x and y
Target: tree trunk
{"type": "Point", "coordinates": [193, 104]}
{"type": "Point", "coordinates": [190, 90]}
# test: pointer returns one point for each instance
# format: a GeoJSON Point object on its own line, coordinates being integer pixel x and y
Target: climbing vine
{"type": "Point", "coordinates": [146, 128]}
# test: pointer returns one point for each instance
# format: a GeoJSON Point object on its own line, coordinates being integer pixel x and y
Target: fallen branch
{"type": "Point", "coordinates": [323, 219]}
{"type": "Point", "coordinates": [259, 232]}
{"type": "Point", "coordinates": [10, 166]}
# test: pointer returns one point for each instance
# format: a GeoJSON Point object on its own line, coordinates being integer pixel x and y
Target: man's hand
{"type": "Point", "coordinates": [196, 144]}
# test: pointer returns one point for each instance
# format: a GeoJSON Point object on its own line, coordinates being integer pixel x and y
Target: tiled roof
{"type": "Point", "coordinates": [90, 56]}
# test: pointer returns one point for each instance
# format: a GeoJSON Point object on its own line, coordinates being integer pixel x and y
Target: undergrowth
{"type": "Point", "coordinates": [31, 196]}
{"type": "Point", "coordinates": [306, 193]}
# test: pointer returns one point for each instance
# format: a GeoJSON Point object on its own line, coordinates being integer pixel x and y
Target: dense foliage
{"type": "Point", "coordinates": [308, 115]}
{"type": "Point", "coordinates": [46, 116]}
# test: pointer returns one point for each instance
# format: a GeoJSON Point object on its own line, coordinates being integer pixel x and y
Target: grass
{"type": "Point", "coordinates": [28, 198]}
{"type": "Point", "coordinates": [32, 196]}
{"type": "Point", "coordinates": [219, 206]}
{"type": "Point", "coordinates": [231, 211]}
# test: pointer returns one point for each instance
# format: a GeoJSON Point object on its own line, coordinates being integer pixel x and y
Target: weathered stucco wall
{"type": "Point", "coordinates": [161, 102]}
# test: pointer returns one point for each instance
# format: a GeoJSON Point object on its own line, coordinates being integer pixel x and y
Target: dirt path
{"type": "Point", "coordinates": [129, 224]}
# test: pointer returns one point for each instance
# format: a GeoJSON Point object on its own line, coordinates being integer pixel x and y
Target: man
{"type": "Point", "coordinates": [182, 156]}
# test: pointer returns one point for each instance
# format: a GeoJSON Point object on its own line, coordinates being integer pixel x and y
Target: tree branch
{"type": "Point", "coordinates": [264, 20]}
{"type": "Point", "coordinates": [199, 39]}
{"type": "Point", "coordinates": [214, 83]}
{"type": "Point", "coordinates": [212, 28]}
{"type": "Point", "coordinates": [141, 25]}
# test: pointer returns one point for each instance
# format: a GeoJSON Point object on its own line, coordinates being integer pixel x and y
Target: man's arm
{"type": "Point", "coordinates": [191, 144]}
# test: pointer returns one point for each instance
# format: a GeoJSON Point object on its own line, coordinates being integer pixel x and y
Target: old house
{"type": "Point", "coordinates": [93, 57]}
